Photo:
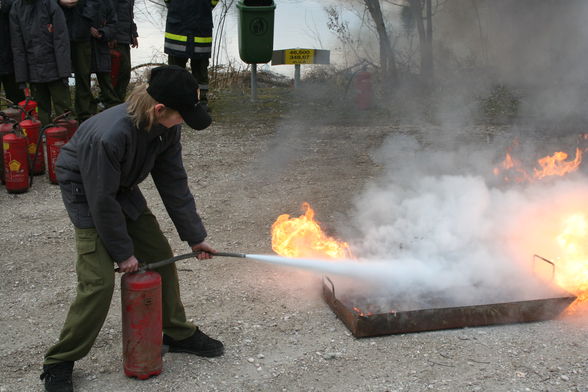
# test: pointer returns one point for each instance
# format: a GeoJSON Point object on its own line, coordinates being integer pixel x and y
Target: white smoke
{"type": "Point", "coordinates": [438, 220]}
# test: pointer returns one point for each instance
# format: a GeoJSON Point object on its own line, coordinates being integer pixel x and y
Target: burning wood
{"type": "Point", "coordinates": [512, 170]}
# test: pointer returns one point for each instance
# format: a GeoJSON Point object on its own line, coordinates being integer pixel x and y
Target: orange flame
{"type": "Point", "coordinates": [303, 237]}
{"type": "Point", "coordinates": [556, 165]}
{"type": "Point", "coordinates": [572, 268]}
{"type": "Point", "coordinates": [552, 165]}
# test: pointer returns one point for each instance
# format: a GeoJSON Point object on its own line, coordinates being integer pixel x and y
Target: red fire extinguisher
{"type": "Point", "coordinates": [28, 107]}
{"type": "Point", "coordinates": [6, 127]}
{"type": "Point", "coordinates": [56, 137]}
{"type": "Point", "coordinates": [364, 94]}
{"type": "Point", "coordinates": [70, 124]}
{"type": "Point", "coordinates": [142, 324]}
{"type": "Point", "coordinates": [115, 57]}
{"type": "Point", "coordinates": [16, 162]}
{"type": "Point", "coordinates": [32, 130]}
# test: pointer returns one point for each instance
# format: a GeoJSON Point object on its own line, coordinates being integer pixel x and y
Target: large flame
{"type": "Point", "coordinates": [512, 170]}
{"type": "Point", "coordinates": [303, 237]}
{"type": "Point", "coordinates": [572, 267]}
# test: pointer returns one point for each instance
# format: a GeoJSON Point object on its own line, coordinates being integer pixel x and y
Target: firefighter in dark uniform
{"type": "Point", "coordinates": [7, 81]}
{"type": "Point", "coordinates": [188, 35]}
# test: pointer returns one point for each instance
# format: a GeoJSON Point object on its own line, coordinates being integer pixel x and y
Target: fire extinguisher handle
{"type": "Point", "coordinates": [171, 260]}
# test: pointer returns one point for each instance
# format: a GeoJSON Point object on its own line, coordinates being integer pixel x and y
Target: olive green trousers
{"type": "Point", "coordinates": [95, 270]}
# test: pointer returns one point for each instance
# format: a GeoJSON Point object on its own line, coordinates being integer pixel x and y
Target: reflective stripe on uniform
{"type": "Point", "coordinates": [199, 49]}
{"type": "Point", "coordinates": [203, 86]}
{"type": "Point", "coordinates": [179, 48]}
{"type": "Point", "coordinates": [176, 37]}
{"type": "Point", "coordinates": [203, 40]}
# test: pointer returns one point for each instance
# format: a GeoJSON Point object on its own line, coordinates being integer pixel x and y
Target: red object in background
{"type": "Point", "coordinates": [115, 57]}
{"type": "Point", "coordinates": [56, 138]}
{"type": "Point", "coordinates": [142, 328]}
{"type": "Point", "coordinates": [5, 129]}
{"type": "Point", "coordinates": [364, 92]}
{"type": "Point", "coordinates": [31, 129]}
{"type": "Point", "coordinates": [70, 124]}
{"type": "Point", "coordinates": [28, 106]}
{"type": "Point", "coordinates": [16, 163]}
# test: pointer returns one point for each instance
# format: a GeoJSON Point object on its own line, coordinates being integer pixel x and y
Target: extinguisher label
{"type": "Point", "coordinates": [14, 165]}
{"type": "Point", "coordinates": [5, 146]}
{"type": "Point", "coordinates": [32, 148]}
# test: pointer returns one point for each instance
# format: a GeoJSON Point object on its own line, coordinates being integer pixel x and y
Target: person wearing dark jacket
{"type": "Point", "coordinates": [40, 46]}
{"type": "Point", "coordinates": [188, 35]}
{"type": "Point", "coordinates": [126, 37]}
{"type": "Point", "coordinates": [99, 171]}
{"type": "Point", "coordinates": [86, 22]}
{"type": "Point", "coordinates": [103, 36]}
{"type": "Point", "coordinates": [7, 81]}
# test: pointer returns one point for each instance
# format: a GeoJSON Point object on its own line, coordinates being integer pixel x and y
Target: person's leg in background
{"type": "Point", "coordinates": [11, 89]}
{"type": "Point", "coordinates": [81, 58]}
{"type": "Point", "coordinates": [175, 60]}
{"type": "Point", "coordinates": [42, 96]}
{"type": "Point", "coordinates": [108, 95]}
{"type": "Point", "coordinates": [200, 72]}
{"type": "Point", "coordinates": [124, 74]}
{"type": "Point", "coordinates": [60, 96]}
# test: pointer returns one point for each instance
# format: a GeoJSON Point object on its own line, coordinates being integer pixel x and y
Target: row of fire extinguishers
{"type": "Point", "coordinates": [21, 137]}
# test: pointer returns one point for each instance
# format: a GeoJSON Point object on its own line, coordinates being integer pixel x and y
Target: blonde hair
{"type": "Point", "coordinates": [141, 108]}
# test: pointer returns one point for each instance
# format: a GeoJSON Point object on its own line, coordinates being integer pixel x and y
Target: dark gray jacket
{"type": "Point", "coordinates": [126, 29]}
{"type": "Point", "coordinates": [6, 66]}
{"type": "Point", "coordinates": [40, 42]}
{"type": "Point", "coordinates": [80, 18]}
{"type": "Point", "coordinates": [99, 171]}
{"type": "Point", "coordinates": [105, 22]}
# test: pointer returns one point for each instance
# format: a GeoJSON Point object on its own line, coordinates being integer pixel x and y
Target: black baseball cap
{"type": "Point", "coordinates": [176, 88]}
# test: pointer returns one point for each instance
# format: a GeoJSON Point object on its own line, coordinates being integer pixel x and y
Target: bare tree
{"type": "Point", "coordinates": [423, 17]}
{"type": "Point", "coordinates": [387, 57]}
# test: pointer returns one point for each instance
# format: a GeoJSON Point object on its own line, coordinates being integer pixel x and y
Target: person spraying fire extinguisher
{"type": "Point", "coordinates": [99, 171]}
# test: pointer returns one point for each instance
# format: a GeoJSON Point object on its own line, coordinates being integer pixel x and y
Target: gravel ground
{"type": "Point", "coordinates": [278, 332]}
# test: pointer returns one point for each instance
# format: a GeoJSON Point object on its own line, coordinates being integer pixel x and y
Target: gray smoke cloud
{"type": "Point", "coordinates": [438, 220]}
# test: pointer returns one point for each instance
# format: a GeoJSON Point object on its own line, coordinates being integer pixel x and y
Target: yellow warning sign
{"type": "Point", "coordinates": [299, 56]}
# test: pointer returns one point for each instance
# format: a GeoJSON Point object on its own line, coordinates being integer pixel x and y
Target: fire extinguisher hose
{"type": "Point", "coordinates": [171, 260]}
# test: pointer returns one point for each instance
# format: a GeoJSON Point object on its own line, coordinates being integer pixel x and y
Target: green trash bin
{"type": "Point", "coordinates": [256, 30]}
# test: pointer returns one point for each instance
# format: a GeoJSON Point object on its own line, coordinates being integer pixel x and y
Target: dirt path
{"type": "Point", "coordinates": [278, 332]}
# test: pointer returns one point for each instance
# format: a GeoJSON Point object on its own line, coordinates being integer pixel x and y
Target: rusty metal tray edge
{"type": "Point", "coordinates": [443, 318]}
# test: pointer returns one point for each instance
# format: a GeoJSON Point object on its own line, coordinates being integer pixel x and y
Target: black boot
{"type": "Point", "coordinates": [198, 344]}
{"type": "Point", "coordinates": [57, 377]}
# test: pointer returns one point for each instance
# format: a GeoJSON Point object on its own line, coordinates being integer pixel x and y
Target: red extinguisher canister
{"type": "Point", "coordinates": [364, 92]}
{"type": "Point", "coordinates": [142, 325]}
{"type": "Point", "coordinates": [6, 127]}
{"type": "Point", "coordinates": [56, 137]}
{"type": "Point", "coordinates": [29, 108]}
{"type": "Point", "coordinates": [16, 163]}
{"type": "Point", "coordinates": [115, 60]}
{"type": "Point", "coordinates": [70, 124]}
{"type": "Point", "coordinates": [32, 129]}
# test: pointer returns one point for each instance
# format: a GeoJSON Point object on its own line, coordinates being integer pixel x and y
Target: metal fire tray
{"type": "Point", "coordinates": [375, 316]}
